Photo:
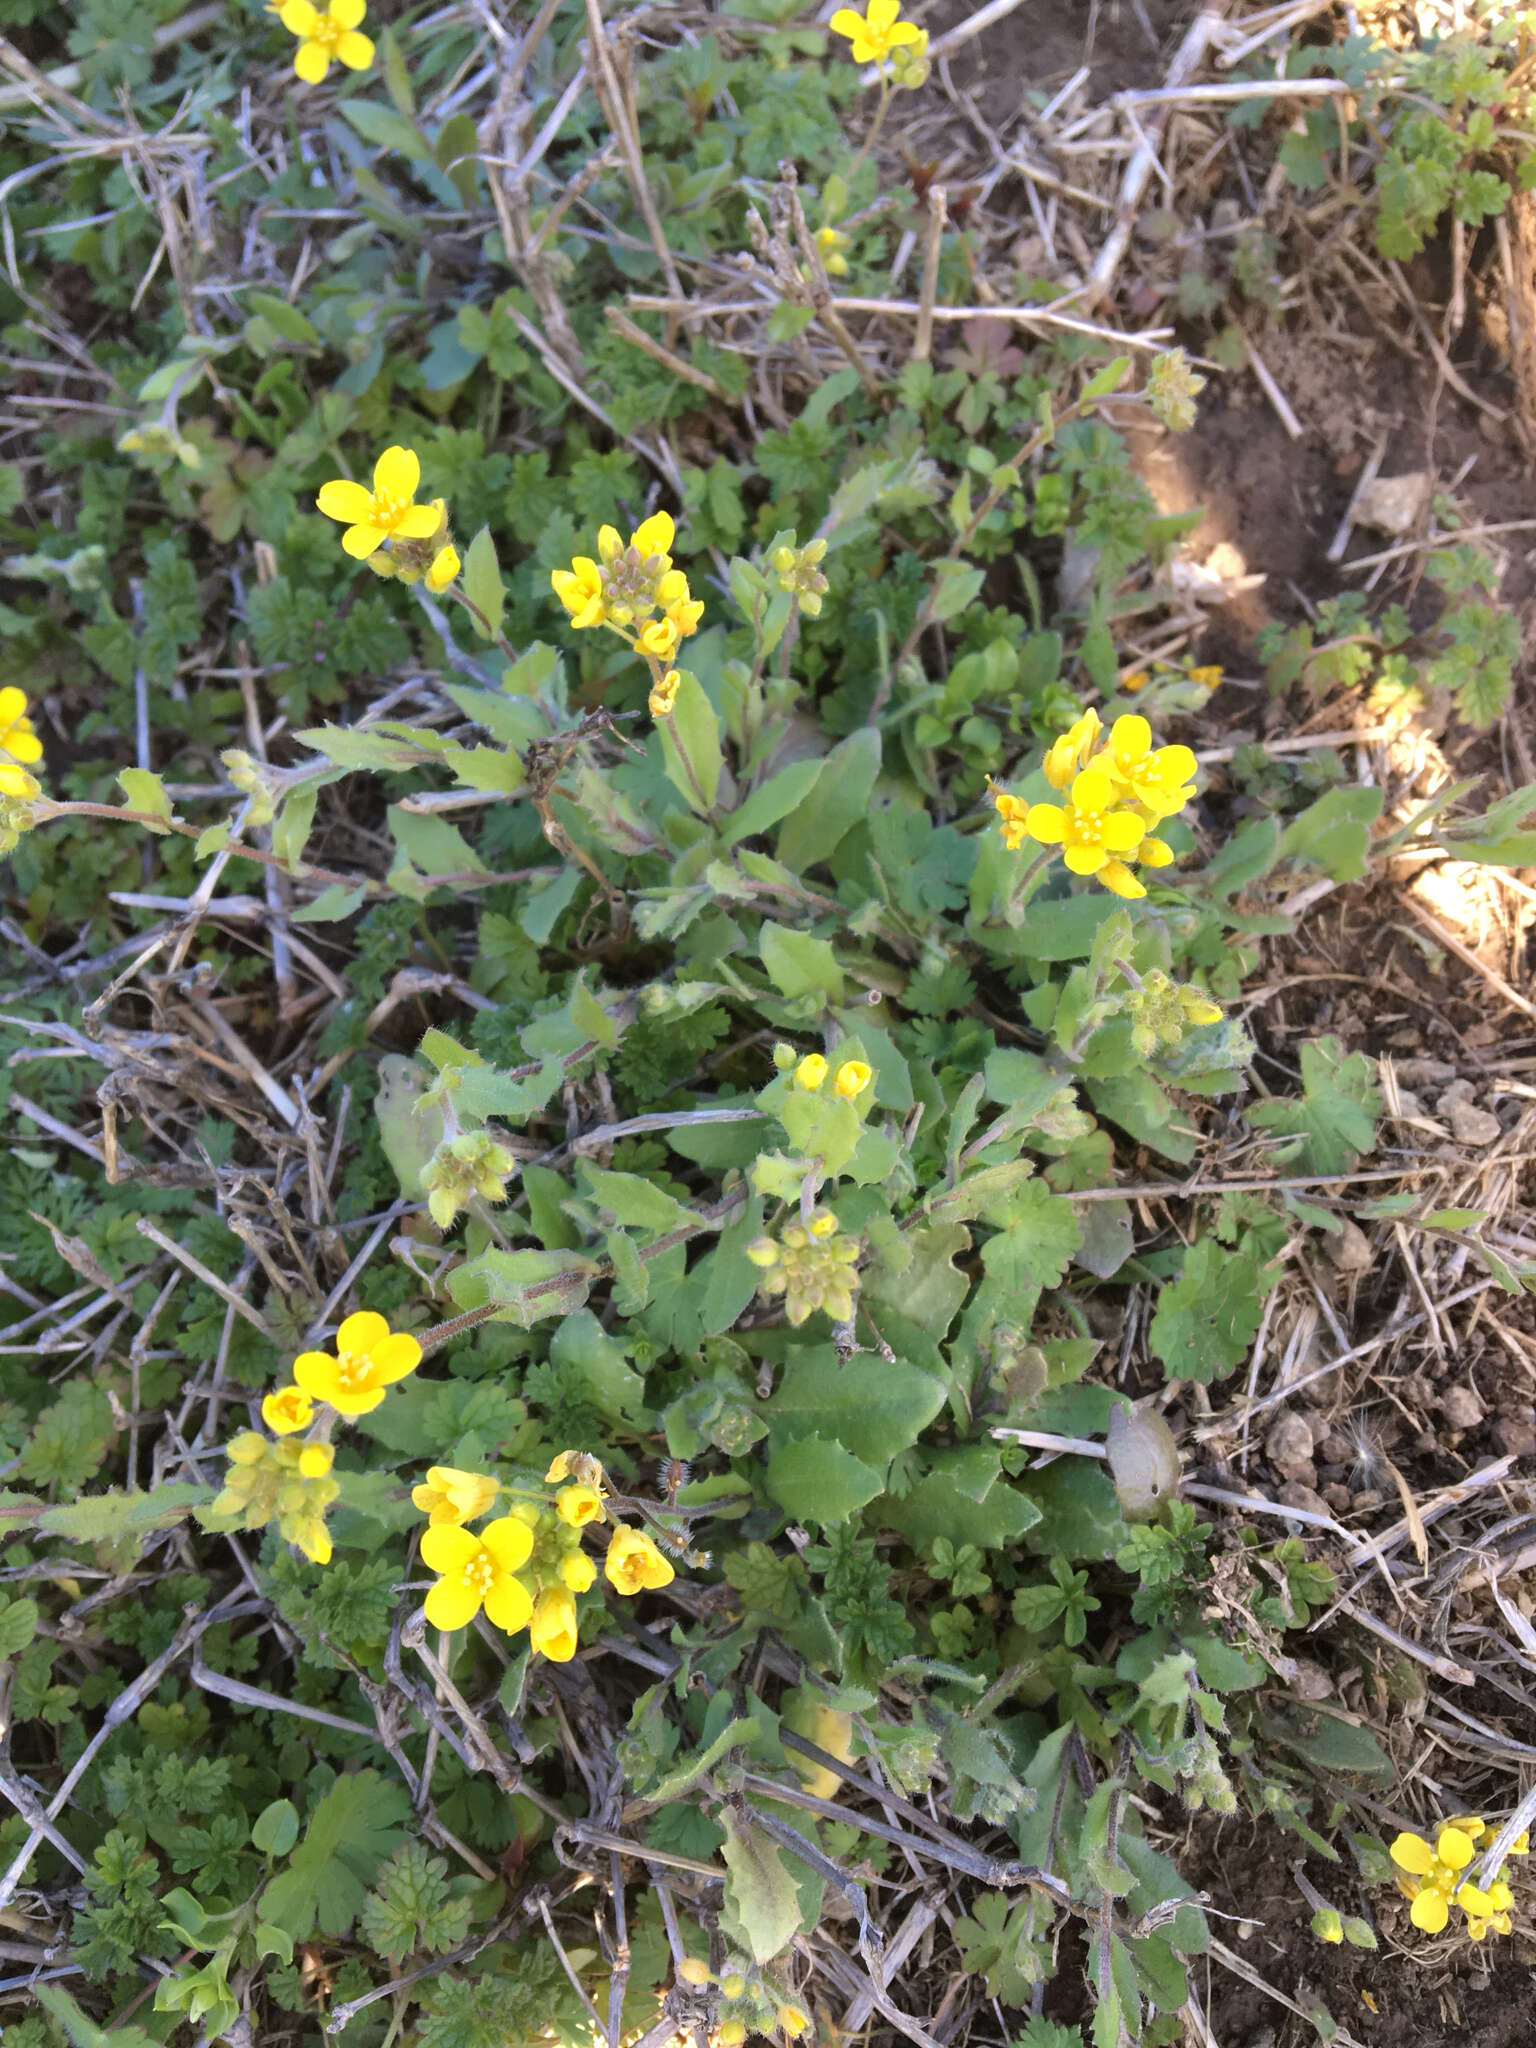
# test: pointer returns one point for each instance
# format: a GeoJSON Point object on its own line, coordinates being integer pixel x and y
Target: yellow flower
{"type": "Point", "coordinates": [831, 242]}
{"type": "Point", "coordinates": [790, 2017]}
{"type": "Point", "coordinates": [652, 539]}
{"type": "Point", "coordinates": [17, 782]}
{"type": "Point", "coordinates": [1014, 813]}
{"type": "Point", "coordinates": [388, 511]}
{"type": "Point", "coordinates": [811, 1072]}
{"type": "Point", "coordinates": [444, 567]}
{"type": "Point", "coordinates": [1071, 752]}
{"type": "Point", "coordinates": [659, 638]}
{"type": "Point", "coordinates": [448, 1496]}
{"type": "Point", "coordinates": [1159, 779]}
{"type": "Point", "coordinates": [369, 1358]}
{"type": "Point", "coordinates": [559, 1468]}
{"type": "Point", "coordinates": [286, 1409]}
{"type": "Point", "coordinates": [327, 35]}
{"type": "Point", "coordinates": [580, 590]}
{"type": "Point", "coordinates": [1207, 678]}
{"type": "Point", "coordinates": [851, 1079]}
{"type": "Point", "coordinates": [876, 32]}
{"type": "Point", "coordinates": [17, 737]}
{"type": "Point", "coordinates": [478, 1571]}
{"type": "Point", "coordinates": [552, 1626]}
{"type": "Point", "coordinates": [634, 1564]}
{"type": "Point", "coordinates": [664, 694]}
{"type": "Point", "coordinates": [1088, 828]}
{"type": "Point", "coordinates": [578, 1505]}
{"type": "Point", "coordinates": [1199, 1011]}
{"type": "Point", "coordinates": [684, 610]}
{"type": "Point", "coordinates": [578, 1571]}
{"type": "Point", "coordinates": [1136, 680]}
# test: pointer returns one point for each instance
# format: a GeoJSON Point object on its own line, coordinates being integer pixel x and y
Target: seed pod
{"type": "Point", "coordinates": [1143, 1462]}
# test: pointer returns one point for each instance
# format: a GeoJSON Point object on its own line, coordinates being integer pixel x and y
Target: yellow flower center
{"type": "Point", "coordinates": [385, 511]}
{"type": "Point", "coordinates": [328, 33]}
{"type": "Point", "coordinates": [480, 1573]}
{"type": "Point", "coordinates": [352, 1368]}
{"type": "Point", "coordinates": [1088, 827]}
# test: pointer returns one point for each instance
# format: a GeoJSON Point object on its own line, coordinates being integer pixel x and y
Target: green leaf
{"type": "Point", "coordinates": [1042, 1235]}
{"type": "Point", "coordinates": [760, 1893]}
{"type": "Point", "coordinates": [820, 1483]}
{"type": "Point", "coordinates": [690, 741]}
{"type": "Point", "coordinates": [456, 154]}
{"type": "Point", "coordinates": [799, 964]}
{"type": "Point", "coordinates": [386, 129]}
{"type": "Point", "coordinates": [84, 2032]}
{"type": "Point", "coordinates": [356, 1825]}
{"type": "Point", "coordinates": [18, 1625]}
{"type": "Point", "coordinates": [635, 1202]}
{"type": "Point", "coordinates": [397, 749]}
{"type": "Point", "coordinates": [482, 582]}
{"type": "Point", "coordinates": [779, 795]}
{"type": "Point", "coordinates": [529, 1287]}
{"type": "Point", "coordinates": [1334, 1125]}
{"type": "Point", "coordinates": [104, 1517]}
{"type": "Point", "coordinates": [289, 322]}
{"type": "Point", "coordinates": [872, 1407]}
{"type": "Point", "coordinates": [276, 1828]}
{"type": "Point", "coordinates": [146, 792]}
{"type": "Point", "coordinates": [963, 1497]}
{"type": "Point", "coordinates": [1208, 1317]}
{"type": "Point", "coordinates": [1335, 832]}
{"type": "Point", "coordinates": [840, 798]}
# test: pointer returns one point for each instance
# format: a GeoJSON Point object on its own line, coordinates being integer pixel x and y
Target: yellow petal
{"type": "Point", "coordinates": [654, 536]}
{"type": "Point", "coordinates": [1130, 737]}
{"type": "Point", "coordinates": [509, 1541]}
{"type": "Point", "coordinates": [1412, 1853]}
{"type": "Point", "coordinates": [846, 23]}
{"type": "Point", "coordinates": [902, 32]}
{"type": "Point", "coordinates": [298, 17]}
{"type": "Point", "coordinates": [1092, 790]}
{"type": "Point", "coordinates": [317, 1373]}
{"type": "Point", "coordinates": [452, 1604]}
{"type": "Point", "coordinates": [447, 1548]}
{"type": "Point", "coordinates": [418, 523]}
{"type": "Point", "coordinates": [394, 1356]}
{"type": "Point", "coordinates": [361, 541]}
{"type": "Point", "coordinates": [355, 51]}
{"type": "Point", "coordinates": [1117, 876]}
{"type": "Point", "coordinates": [1123, 832]}
{"type": "Point", "coordinates": [552, 1629]}
{"type": "Point", "coordinates": [347, 13]}
{"type": "Point", "coordinates": [1174, 764]}
{"type": "Point", "coordinates": [362, 1331]}
{"type": "Point", "coordinates": [1046, 823]}
{"type": "Point", "coordinates": [22, 746]}
{"type": "Point", "coordinates": [445, 566]}
{"type": "Point", "coordinates": [1454, 1848]}
{"type": "Point", "coordinates": [508, 1605]}
{"type": "Point", "coordinates": [348, 502]}
{"type": "Point", "coordinates": [311, 61]}
{"type": "Point", "coordinates": [1429, 1910]}
{"type": "Point", "coordinates": [1085, 860]}
{"type": "Point", "coordinates": [13, 704]}
{"type": "Point", "coordinates": [880, 14]}
{"type": "Point", "coordinates": [397, 473]}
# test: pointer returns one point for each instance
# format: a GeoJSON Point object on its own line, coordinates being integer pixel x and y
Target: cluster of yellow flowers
{"type": "Point", "coordinates": [849, 1080]}
{"type": "Point", "coordinates": [1433, 1878]}
{"type": "Point", "coordinates": [760, 2003]}
{"type": "Point", "coordinates": [811, 1266]}
{"type": "Point", "coordinates": [635, 592]}
{"type": "Point", "coordinates": [290, 1482]}
{"type": "Point", "coordinates": [325, 33]}
{"type": "Point", "coordinates": [526, 1567]}
{"type": "Point", "coordinates": [1208, 678]}
{"type": "Point", "coordinates": [419, 543]}
{"type": "Point", "coordinates": [880, 36]}
{"type": "Point", "coordinates": [1116, 793]}
{"type": "Point", "coordinates": [19, 747]}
